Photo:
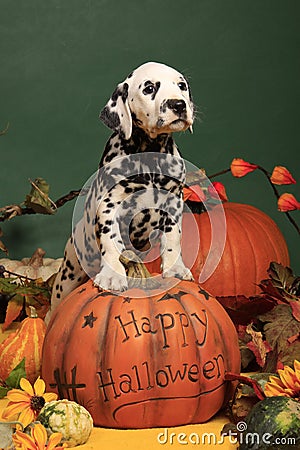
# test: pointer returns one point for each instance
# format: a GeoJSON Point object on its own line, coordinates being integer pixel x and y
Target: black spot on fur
{"type": "Point", "coordinates": [110, 118]}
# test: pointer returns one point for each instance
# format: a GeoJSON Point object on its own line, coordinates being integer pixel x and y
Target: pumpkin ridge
{"type": "Point", "coordinates": [185, 307]}
{"type": "Point", "coordinates": [39, 335]}
{"type": "Point", "coordinates": [152, 347]}
{"type": "Point", "coordinates": [76, 321]}
{"type": "Point", "coordinates": [231, 245]}
{"type": "Point", "coordinates": [269, 222]}
{"type": "Point", "coordinates": [249, 240]}
{"type": "Point", "coordinates": [20, 348]}
{"type": "Point", "coordinates": [266, 238]}
{"type": "Point", "coordinates": [8, 343]}
{"type": "Point", "coordinates": [102, 339]}
{"type": "Point", "coordinates": [36, 355]}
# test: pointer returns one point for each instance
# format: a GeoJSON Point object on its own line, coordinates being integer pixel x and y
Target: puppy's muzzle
{"type": "Point", "coordinates": [177, 106]}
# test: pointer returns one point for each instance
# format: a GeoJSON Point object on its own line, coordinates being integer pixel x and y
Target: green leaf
{"type": "Point", "coordinates": [28, 288]}
{"type": "Point", "coordinates": [8, 286]}
{"type": "Point", "coordinates": [3, 391]}
{"type": "Point", "coordinates": [39, 199]}
{"type": "Point", "coordinates": [13, 379]}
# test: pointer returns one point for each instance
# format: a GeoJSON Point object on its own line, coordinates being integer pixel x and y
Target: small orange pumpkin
{"type": "Point", "coordinates": [26, 343]}
{"type": "Point", "coordinates": [139, 361]}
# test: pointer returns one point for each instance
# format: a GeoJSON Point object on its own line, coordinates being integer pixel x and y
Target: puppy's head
{"type": "Point", "coordinates": [154, 97]}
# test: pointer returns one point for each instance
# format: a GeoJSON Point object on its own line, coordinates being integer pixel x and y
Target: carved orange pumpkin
{"type": "Point", "coordinates": [253, 241]}
{"type": "Point", "coordinates": [135, 361]}
{"type": "Point", "coordinates": [26, 343]}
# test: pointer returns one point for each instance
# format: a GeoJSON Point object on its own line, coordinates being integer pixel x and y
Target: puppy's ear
{"type": "Point", "coordinates": [116, 113]}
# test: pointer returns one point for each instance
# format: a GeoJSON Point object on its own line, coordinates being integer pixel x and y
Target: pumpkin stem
{"type": "Point", "coordinates": [33, 313]}
{"type": "Point", "coordinates": [36, 260]}
{"type": "Point", "coordinates": [137, 273]}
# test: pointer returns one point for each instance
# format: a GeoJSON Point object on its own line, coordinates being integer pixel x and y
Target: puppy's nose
{"type": "Point", "coordinates": [178, 106]}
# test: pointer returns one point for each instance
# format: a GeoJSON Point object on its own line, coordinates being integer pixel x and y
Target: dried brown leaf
{"type": "Point", "coordinates": [279, 327]}
{"type": "Point", "coordinates": [257, 345]}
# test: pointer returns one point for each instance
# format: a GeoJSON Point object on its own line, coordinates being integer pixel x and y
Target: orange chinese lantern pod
{"type": "Point", "coordinates": [253, 241]}
{"type": "Point", "coordinates": [139, 361]}
{"type": "Point", "coordinates": [240, 168]}
{"type": "Point", "coordinates": [281, 175]}
{"type": "Point", "coordinates": [287, 202]}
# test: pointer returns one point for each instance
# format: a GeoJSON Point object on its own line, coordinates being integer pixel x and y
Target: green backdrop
{"type": "Point", "coordinates": [61, 59]}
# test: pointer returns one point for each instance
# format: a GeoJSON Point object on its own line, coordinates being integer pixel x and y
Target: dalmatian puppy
{"type": "Point", "coordinates": [137, 191]}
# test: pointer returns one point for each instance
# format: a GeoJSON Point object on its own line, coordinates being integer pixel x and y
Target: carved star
{"type": "Point", "coordinates": [89, 320]}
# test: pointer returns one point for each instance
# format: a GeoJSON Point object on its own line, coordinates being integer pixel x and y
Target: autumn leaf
{"type": "Point", "coordinates": [39, 199]}
{"type": "Point", "coordinates": [14, 308]}
{"type": "Point", "coordinates": [247, 356]}
{"type": "Point", "coordinates": [270, 292]}
{"type": "Point", "coordinates": [280, 327]}
{"type": "Point", "coordinates": [281, 277]}
{"type": "Point", "coordinates": [248, 392]}
{"type": "Point", "coordinates": [35, 293]}
{"type": "Point", "coordinates": [294, 338]}
{"type": "Point", "coordinates": [284, 286]}
{"type": "Point", "coordinates": [295, 306]}
{"type": "Point", "coordinates": [242, 310]}
{"type": "Point", "coordinates": [257, 345]}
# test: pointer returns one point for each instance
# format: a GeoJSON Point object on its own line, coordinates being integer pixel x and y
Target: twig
{"type": "Point", "coordinates": [2, 132]}
{"type": "Point", "coordinates": [67, 198]}
{"type": "Point", "coordinates": [3, 271]}
{"type": "Point", "coordinates": [6, 211]}
{"type": "Point", "coordinates": [222, 172]}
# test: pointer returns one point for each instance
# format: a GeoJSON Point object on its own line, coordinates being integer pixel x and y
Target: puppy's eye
{"type": "Point", "coordinates": [149, 89]}
{"type": "Point", "coordinates": [182, 86]}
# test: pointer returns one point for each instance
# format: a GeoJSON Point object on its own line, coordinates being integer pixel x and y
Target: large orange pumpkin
{"type": "Point", "coordinates": [136, 361]}
{"type": "Point", "coordinates": [253, 241]}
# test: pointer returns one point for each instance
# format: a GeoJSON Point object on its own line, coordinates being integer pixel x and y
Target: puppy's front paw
{"type": "Point", "coordinates": [178, 271]}
{"type": "Point", "coordinates": [111, 280]}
